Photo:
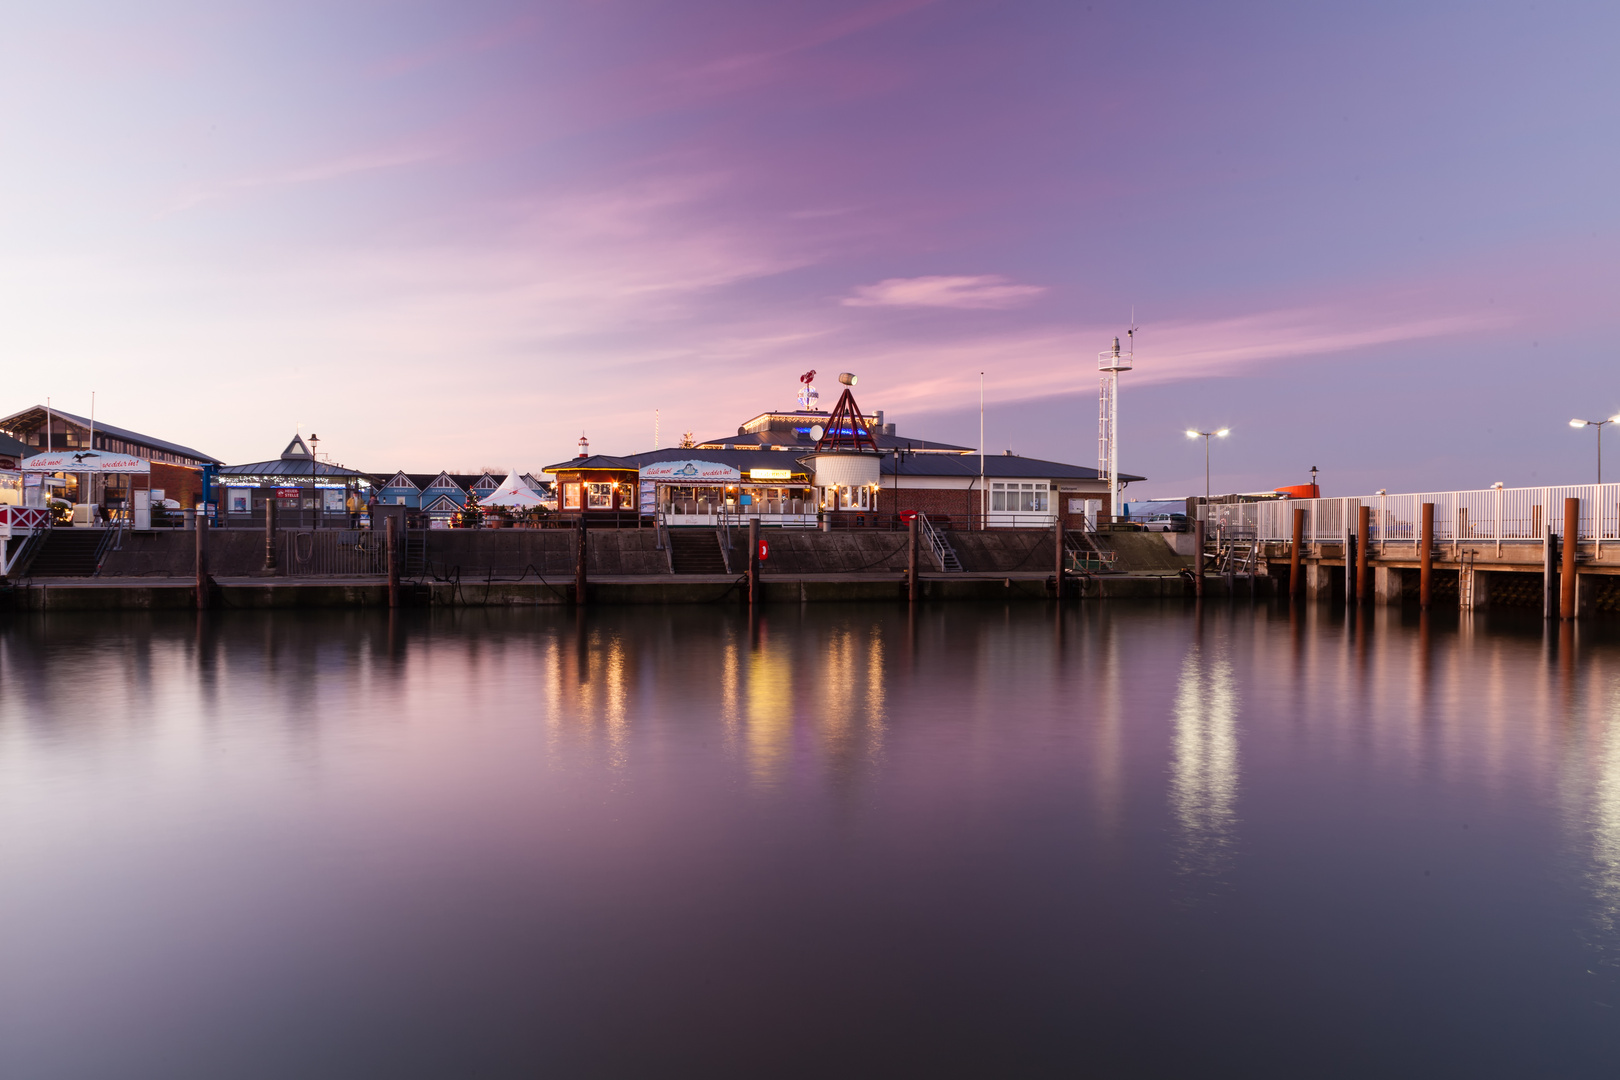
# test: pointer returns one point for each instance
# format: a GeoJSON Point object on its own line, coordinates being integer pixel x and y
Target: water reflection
{"type": "Point", "coordinates": [1204, 764]}
{"type": "Point", "coordinates": [908, 836]}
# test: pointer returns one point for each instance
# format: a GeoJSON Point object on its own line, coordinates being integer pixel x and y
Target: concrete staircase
{"type": "Point", "coordinates": [69, 553]}
{"type": "Point", "coordinates": [696, 550]}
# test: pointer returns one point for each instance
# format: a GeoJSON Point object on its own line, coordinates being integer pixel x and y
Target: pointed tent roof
{"type": "Point", "coordinates": [297, 450]}
{"type": "Point", "coordinates": [513, 493]}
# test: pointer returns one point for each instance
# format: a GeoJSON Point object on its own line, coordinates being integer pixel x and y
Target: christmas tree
{"type": "Point", "coordinates": [472, 514]}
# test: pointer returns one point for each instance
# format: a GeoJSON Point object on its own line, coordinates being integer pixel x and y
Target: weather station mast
{"type": "Point", "coordinates": [1111, 362]}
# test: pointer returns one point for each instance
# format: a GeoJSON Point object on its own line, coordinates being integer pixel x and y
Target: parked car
{"type": "Point", "coordinates": [1165, 523]}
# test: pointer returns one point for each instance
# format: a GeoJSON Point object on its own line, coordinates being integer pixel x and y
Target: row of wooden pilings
{"type": "Point", "coordinates": [1361, 540]}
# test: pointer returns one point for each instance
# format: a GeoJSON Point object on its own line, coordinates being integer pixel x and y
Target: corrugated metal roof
{"type": "Point", "coordinates": [108, 429]}
{"type": "Point", "coordinates": [279, 467]}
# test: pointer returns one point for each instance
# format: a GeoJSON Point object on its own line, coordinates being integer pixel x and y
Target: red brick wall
{"type": "Point", "coordinates": [179, 482]}
{"type": "Point", "coordinates": [935, 502]}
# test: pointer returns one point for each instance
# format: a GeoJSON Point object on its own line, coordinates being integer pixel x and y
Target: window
{"type": "Point", "coordinates": [601, 496]}
{"type": "Point", "coordinates": [1019, 498]}
{"type": "Point", "coordinates": [570, 496]}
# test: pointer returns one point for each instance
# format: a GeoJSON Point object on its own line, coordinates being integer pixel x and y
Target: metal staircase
{"type": "Point", "coordinates": [70, 553]}
{"type": "Point", "coordinates": [944, 554]}
{"type": "Point", "coordinates": [1082, 552]}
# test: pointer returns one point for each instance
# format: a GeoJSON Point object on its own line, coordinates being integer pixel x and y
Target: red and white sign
{"type": "Point", "coordinates": [85, 461]}
{"type": "Point", "coordinates": [689, 472]}
{"type": "Point", "coordinates": [764, 550]}
{"type": "Point", "coordinates": [286, 493]}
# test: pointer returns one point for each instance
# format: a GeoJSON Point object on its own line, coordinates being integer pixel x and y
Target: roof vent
{"type": "Point", "coordinates": [297, 450]}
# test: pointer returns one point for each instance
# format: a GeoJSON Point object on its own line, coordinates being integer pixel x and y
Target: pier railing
{"type": "Point", "coordinates": [1491, 514]}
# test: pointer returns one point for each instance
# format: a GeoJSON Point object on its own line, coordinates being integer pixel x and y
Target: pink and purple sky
{"type": "Point", "coordinates": [1377, 238]}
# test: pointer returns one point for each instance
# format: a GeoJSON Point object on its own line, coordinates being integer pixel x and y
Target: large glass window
{"type": "Point", "coordinates": [601, 496]}
{"type": "Point", "coordinates": [1020, 498]}
{"type": "Point", "coordinates": [570, 496]}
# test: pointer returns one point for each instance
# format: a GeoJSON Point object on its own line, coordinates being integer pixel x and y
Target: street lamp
{"type": "Point", "coordinates": [1221, 434]}
{"type": "Point", "coordinates": [1599, 425]}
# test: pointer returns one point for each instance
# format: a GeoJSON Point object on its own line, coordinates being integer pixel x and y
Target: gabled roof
{"type": "Point", "coordinates": [402, 480]}
{"type": "Point", "coordinates": [27, 418]}
{"type": "Point", "coordinates": [297, 450]}
{"type": "Point", "coordinates": [442, 503]}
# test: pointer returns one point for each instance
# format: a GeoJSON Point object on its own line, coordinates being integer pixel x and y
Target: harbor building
{"type": "Point", "coordinates": [177, 472]}
{"type": "Point", "coordinates": [849, 469]}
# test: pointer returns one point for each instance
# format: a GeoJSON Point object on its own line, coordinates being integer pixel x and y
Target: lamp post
{"type": "Point", "coordinates": [1599, 425]}
{"type": "Point", "coordinates": [1221, 434]}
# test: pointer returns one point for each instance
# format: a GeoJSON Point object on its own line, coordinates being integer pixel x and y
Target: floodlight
{"type": "Point", "coordinates": [1191, 434]}
{"type": "Point", "coordinates": [1221, 434]}
{"type": "Point", "coordinates": [1577, 423]}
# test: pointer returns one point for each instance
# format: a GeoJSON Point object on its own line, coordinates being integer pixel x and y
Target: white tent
{"type": "Point", "coordinates": [512, 493]}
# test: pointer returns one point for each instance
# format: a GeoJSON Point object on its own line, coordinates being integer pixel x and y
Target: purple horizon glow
{"type": "Point", "coordinates": [1378, 240]}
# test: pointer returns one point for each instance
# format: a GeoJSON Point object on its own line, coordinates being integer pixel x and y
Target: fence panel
{"type": "Point", "coordinates": [331, 553]}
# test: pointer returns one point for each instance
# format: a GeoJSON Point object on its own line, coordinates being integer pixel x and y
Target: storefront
{"type": "Point", "coordinates": [63, 474]}
{"type": "Point", "coordinates": [306, 493]}
{"type": "Point", "coordinates": [694, 492]}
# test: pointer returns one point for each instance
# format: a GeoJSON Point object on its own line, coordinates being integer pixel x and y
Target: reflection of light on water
{"type": "Point", "coordinates": [1204, 767]}
{"type": "Point", "coordinates": [770, 714]}
{"type": "Point", "coordinates": [876, 705]}
{"type": "Point", "coordinates": [614, 699]}
{"type": "Point", "coordinates": [1603, 822]}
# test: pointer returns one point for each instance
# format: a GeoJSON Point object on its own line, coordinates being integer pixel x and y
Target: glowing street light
{"type": "Point", "coordinates": [1206, 435]}
{"type": "Point", "coordinates": [1599, 425]}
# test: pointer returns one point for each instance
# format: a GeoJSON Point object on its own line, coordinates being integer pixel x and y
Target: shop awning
{"type": "Point", "coordinates": [85, 461]}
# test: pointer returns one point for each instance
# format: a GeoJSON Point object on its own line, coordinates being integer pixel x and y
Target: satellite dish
{"type": "Point", "coordinates": [817, 431]}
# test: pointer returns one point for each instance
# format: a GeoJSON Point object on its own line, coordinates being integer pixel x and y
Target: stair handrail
{"type": "Point", "coordinates": [936, 543]}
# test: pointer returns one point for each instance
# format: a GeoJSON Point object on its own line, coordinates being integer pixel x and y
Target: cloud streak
{"type": "Point", "coordinates": [984, 292]}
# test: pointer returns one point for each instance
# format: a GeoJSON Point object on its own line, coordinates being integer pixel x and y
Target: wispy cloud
{"type": "Point", "coordinates": [315, 172]}
{"type": "Point", "coordinates": [942, 291]}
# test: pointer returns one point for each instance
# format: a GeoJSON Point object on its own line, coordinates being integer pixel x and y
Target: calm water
{"type": "Point", "coordinates": [1128, 841]}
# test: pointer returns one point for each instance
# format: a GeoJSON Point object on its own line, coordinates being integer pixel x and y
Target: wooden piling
{"type": "Point", "coordinates": [1057, 539]}
{"type": "Point", "coordinates": [1198, 558]}
{"type": "Point", "coordinates": [913, 586]}
{"type": "Point", "coordinates": [1549, 571]}
{"type": "Point", "coordinates": [1426, 555]}
{"type": "Point", "coordinates": [202, 560]}
{"type": "Point", "coordinates": [270, 532]}
{"type": "Point", "coordinates": [1296, 564]}
{"type": "Point", "coordinates": [391, 539]}
{"type": "Point", "coordinates": [1566, 577]}
{"type": "Point", "coordinates": [1363, 542]}
{"type": "Point", "coordinates": [579, 563]}
{"type": "Point", "coordinates": [753, 560]}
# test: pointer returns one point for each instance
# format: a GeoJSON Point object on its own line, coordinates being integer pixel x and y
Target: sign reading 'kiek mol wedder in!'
{"type": "Point", "coordinates": [689, 472]}
{"type": "Point", "coordinates": [85, 461]}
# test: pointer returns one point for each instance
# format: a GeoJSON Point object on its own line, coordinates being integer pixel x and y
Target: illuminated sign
{"type": "Point", "coordinates": [770, 474]}
{"type": "Point", "coordinates": [689, 472]}
{"type": "Point", "coordinates": [85, 461]}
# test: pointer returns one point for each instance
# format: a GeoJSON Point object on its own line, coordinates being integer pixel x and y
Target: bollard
{"type": "Point", "coordinates": [1426, 555]}
{"type": "Point", "coordinates": [270, 532]}
{"type": "Point", "coordinates": [1057, 538]}
{"type": "Point", "coordinates": [202, 561]}
{"type": "Point", "coordinates": [1566, 579]}
{"type": "Point", "coordinates": [1296, 571]}
{"type": "Point", "coordinates": [1549, 572]}
{"type": "Point", "coordinates": [913, 586]}
{"type": "Point", "coordinates": [391, 539]}
{"type": "Point", "coordinates": [753, 561]}
{"type": "Point", "coordinates": [1363, 539]}
{"type": "Point", "coordinates": [579, 563]}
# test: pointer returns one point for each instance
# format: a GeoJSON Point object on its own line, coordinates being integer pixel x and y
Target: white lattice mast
{"type": "Point", "coordinates": [1111, 362]}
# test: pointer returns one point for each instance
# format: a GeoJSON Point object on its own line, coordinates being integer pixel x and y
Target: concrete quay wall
{"type": "Point", "coordinates": [105, 594]}
{"type": "Point", "coordinates": [510, 553]}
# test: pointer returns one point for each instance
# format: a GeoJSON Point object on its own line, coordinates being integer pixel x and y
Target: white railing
{"type": "Point", "coordinates": [1492, 514]}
